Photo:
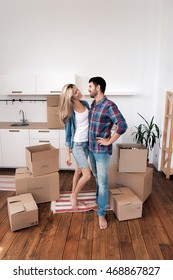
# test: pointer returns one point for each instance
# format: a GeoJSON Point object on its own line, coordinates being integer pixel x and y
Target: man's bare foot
{"type": "Point", "coordinates": [73, 201]}
{"type": "Point", "coordinates": [102, 222]}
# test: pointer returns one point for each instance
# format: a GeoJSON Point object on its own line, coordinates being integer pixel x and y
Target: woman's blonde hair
{"type": "Point", "coordinates": [66, 103]}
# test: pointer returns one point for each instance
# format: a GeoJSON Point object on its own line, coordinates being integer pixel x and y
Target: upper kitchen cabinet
{"type": "Point", "coordinates": [17, 84]}
{"type": "Point", "coordinates": [52, 83]}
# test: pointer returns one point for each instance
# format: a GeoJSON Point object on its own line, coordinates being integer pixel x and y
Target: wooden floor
{"type": "Point", "coordinates": [72, 236]}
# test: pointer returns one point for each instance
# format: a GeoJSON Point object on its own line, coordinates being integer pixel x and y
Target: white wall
{"type": "Point", "coordinates": [117, 39]}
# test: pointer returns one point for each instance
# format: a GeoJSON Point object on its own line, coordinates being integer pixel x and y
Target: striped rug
{"type": "Point", "coordinates": [7, 183]}
{"type": "Point", "coordinates": [63, 204]}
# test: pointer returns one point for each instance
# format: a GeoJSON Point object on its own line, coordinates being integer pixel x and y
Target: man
{"type": "Point", "coordinates": [103, 115]}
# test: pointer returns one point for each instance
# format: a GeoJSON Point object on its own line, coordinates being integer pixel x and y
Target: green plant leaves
{"type": "Point", "coordinates": [146, 133]}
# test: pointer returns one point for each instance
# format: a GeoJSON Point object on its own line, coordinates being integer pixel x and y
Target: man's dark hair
{"type": "Point", "coordinates": [99, 81]}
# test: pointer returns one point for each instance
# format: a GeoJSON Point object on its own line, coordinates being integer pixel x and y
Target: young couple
{"type": "Point", "coordinates": [88, 133]}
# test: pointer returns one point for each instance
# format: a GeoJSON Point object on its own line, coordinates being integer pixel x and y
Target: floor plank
{"type": "Point", "coordinates": [77, 236]}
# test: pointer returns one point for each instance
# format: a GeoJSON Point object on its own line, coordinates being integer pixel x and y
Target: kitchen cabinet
{"type": "Point", "coordinates": [52, 83]}
{"type": "Point", "coordinates": [44, 136]}
{"type": "Point", "coordinates": [17, 84]}
{"type": "Point", "coordinates": [42, 84]}
{"type": "Point", "coordinates": [13, 144]}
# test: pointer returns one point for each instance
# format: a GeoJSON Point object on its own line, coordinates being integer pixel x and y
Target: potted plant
{"type": "Point", "coordinates": [147, 133]}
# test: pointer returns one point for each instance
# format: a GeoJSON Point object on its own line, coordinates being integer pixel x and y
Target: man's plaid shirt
{"type": "Point", "coordinates": [102, 116]}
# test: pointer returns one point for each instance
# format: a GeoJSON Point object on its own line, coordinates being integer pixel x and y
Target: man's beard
{"type": "Point", "coordinates": [93, 95]}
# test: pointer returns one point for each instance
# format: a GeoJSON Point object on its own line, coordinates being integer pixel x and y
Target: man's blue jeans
{"type": "Point", "coordinates": [100, 165]}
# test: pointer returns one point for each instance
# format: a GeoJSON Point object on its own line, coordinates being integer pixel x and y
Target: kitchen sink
{"type": "Point", "coordinates": [20, 124]}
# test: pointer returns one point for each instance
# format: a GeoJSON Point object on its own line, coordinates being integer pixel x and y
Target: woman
{"type": "Point", "coordinates": [74, 114]}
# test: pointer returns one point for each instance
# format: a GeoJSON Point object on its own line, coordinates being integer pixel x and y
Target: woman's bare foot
{"type": "Point", "coordinates": [92, 205]}
{"type": "Point", "coordinates": [81, 203]}
{"type": "Point", "coordinates": [102, 222]}
{"type": "Point", "coordinates": [74, 203]}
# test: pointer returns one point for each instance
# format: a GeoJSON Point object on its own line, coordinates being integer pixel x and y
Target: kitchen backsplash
{"type": "Point", "coordinates": [35, 111]}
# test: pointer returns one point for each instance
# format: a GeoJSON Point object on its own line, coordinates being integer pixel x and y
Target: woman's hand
{"type": "Point", "coordinates": [103, 141]}
{"type": "Point", "coordinates": [68, 161]}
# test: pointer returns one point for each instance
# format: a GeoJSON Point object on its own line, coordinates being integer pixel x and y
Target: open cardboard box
{"type": "Point", "coordinates": [44, 188]}
{"type": "Point", "coordinates": [22, 211]}
{"type": "Point", "coordinates": [125, 204]}
{"type": "Point", "coordinates": [42, 159]}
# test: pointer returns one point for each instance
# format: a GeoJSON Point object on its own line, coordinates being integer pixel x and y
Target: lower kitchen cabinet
{"type": "Point", "coordinates": [44, 136]}
{"type": "Point", "coordinates": [13, 144]}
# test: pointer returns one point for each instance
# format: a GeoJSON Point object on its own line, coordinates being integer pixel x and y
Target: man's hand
{"type": "Point", "coordinates": [103, 141]}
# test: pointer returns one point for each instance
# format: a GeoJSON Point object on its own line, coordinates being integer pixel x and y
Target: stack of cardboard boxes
{"type": "Point", "coordinates": [53, 102]}
{"type": "Point", "coordinates": [37, 183]}
{"type": "Point", "coordinates": [130, 181]}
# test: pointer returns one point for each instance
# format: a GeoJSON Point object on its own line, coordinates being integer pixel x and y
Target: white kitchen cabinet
{"type": "Point", "coordinates": [13, 144]}
{"type": "Point", "coordinates": [52, 83]}
{"type": "Point", "coordinates": [17, 84]}
{"type": "Point", "coordinates": [0, 151]}
{"type": "Point", "coordinates": [44, 136]}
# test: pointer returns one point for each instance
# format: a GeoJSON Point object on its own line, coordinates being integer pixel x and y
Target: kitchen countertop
{"type": "Point", "coordinates": [32, 125]}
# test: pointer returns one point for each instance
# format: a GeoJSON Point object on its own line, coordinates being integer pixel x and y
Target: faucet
{"type": "Point", "coordinates": [23, 116]}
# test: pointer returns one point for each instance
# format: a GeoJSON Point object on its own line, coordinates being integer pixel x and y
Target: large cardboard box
{"type": "Point", "coordinates": [125, 204]}
{"type": "Point", "coordinates": [131, 158]}
{"type": "Point", "coordinates": [53, 102]}
{"type": "Point", "coordinates": [22, 211]}
{"type": "Point", "coordinates": [42, 159]}
{"type": "Point", "coordinates": [112, 176]}
{"type": "Point", "coordinates": [140, 183]}
{"type": "Point", "coordinates": [44, 188]}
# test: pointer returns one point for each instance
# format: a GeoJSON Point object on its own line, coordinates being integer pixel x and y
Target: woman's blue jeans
{"type": "Point", "coordinates": [99, 166]}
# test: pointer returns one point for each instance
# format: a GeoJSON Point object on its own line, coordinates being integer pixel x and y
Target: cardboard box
{"type": "Point", "coordinates": [44, 188]}
{"type": "Point", "coordinates": [140, 183]}
{"type": "Point", "coordinates": [112, 176]}
{"type": "Point", "coordinates": [125, 204]}
{"type": "Point", "coordinates": [53, 102]}
{"type": "Point", "coordinates": [42, 159]}
{"type": "Point", "coordinates": [131, 158]}
{"type": "Point", "coordinates": [22, 211]}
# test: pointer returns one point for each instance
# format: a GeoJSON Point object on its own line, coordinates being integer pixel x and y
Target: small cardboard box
{"type": "Point", "coordinates": [42, 159]}
{"type": "Point", "coordinates": [125, 204]}
{"type": "Point", "coordinates": [22, 211]}
{"type": "Point", "coordinates": [53, 102]}
{"type": "Point", "coordinates": [140, 183]}
{"type": "Point", "coordinates": [44, 188]}
{"type": "Point", "coordinates": [131, 158]}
